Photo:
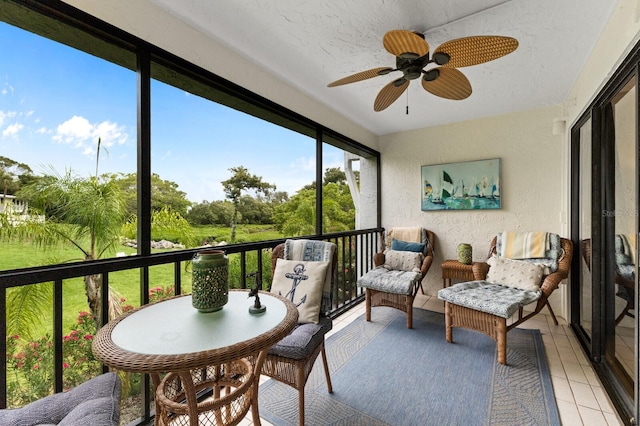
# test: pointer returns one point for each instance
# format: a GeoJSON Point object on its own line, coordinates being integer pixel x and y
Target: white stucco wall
{"type": "Point", "coordinates": [617, 39]}
{"type": "Point", "coordinates": [531, 159]}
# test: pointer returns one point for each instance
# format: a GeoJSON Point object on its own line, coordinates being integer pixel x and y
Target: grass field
{"type": "Point", "coordinates": [126, 283]}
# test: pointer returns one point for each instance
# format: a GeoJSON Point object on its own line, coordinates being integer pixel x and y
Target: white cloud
{"type": "Point", "coordinates": [72, 130]}
{"type": "Point", "coordinates": [12, 130]}
{"type": "Point", "coordinates": [79, 132]}
{"type": "Point", "coordinates": [42, 131]}
{"type": "Point", "coordinates": [303, 163]}
{"type": "Point", "coordinates": [6, 89]}
{"type": "Point", "coordinates": [6, 114]}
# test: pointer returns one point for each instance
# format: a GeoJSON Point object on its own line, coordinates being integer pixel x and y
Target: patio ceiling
{"type": "Point", "coordinates": [310, 44]}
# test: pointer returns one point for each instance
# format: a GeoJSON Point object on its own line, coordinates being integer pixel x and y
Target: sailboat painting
{"type": "Point", "coordinates": [469, 185]}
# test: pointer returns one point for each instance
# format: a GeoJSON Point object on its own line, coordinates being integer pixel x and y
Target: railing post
{"type": "Point", "coordinates": [3, 348]}
{"type": "Point", "coordinates": [104, 305]}
{"type": "Point", "coordinates": [57, 336]}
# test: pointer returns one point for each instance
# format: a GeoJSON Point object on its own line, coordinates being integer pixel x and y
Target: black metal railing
{"type": "Point", "coordinates": [355, 254]}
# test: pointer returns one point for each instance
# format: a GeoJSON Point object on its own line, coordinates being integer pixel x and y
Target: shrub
{"type": "Point", "coordinates": [32, 363]}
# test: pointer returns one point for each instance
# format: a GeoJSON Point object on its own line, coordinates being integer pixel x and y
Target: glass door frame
{"type": "Point", "coordinates": [602, 238]}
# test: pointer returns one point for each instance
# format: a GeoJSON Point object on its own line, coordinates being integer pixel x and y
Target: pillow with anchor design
{"type": "Point", "coordinates": [301, 282]}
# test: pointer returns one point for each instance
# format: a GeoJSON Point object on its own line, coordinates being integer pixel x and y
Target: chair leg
{"type": "Point", "coordinates": [367, 296]}
{"type": "Point", "coordinates": [448, 321]}
{"type": "Point", "coordinates": [555, 320]}
{"type": "Point", "coordinates": [409, 311]}
{"type": "Point", "coordinates": [300, 397]}
{"type": "Point", "coordinates": [326, 369]}
{"type": "Point", "coordinates": [501, 335]}
{"type": "Point", "coordinates": [624, 313]}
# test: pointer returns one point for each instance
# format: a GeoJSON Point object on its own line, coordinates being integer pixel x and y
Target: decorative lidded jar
{"type": "Point", "coordinates": [465, 254]}
{"type": "Point", "coordinates": [210, 280]}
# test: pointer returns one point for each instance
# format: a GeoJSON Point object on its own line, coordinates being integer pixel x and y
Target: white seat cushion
{"type": "Point", "coordinates": [491, 298]}
{"type": "Point", "coordinates": [390, 281]}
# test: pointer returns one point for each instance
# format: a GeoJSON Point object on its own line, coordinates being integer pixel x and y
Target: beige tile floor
{"type": "Point", "coordinates": [580, 397]}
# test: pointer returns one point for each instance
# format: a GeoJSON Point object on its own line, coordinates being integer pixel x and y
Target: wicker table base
{"type": "Point", "coordinates": [232, 388]}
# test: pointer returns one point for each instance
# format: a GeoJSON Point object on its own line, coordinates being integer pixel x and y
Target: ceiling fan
{"type": "Point", "coordinates": [412, 56]}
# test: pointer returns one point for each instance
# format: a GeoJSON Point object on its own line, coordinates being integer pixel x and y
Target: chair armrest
{"type": "Point", "coordinates": [551, 282]}
{"type": "Point", "coordinates": [378, 259]}
{"type": "Point", "coordinates": [426, 264]}
{"type": "Point", "coordinates": [480, 270]}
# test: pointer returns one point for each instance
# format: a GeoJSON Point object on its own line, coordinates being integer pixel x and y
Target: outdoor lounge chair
{"type": "Point", "coordinates": [403, 261]}
{"type": "Point", "coordinates": [290, 360]}
{"type": "Point", "coordinates": [486, 304]}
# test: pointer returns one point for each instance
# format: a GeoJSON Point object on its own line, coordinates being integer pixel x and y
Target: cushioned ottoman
{"type": "Point", "coordinates": [487, 297]}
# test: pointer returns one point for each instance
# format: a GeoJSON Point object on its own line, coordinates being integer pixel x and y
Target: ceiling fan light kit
{"type": "Point", "coordinates": [445, 80]}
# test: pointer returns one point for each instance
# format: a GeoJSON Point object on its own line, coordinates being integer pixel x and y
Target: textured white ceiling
{"type": "Point", "coordinates": [312, 43]}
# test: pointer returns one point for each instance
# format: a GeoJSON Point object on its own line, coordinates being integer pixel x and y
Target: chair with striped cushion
{"type": "Point", "coordinates": [405, 256]}
{"type": "Point", "coordinates": [502, 287]}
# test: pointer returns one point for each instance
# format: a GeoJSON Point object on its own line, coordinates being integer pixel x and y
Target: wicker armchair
{"type": "Point", "coordinates": [485, 307]}
{"type": "Point", "coordinates": [392, 287]}
{"type": "Point", "coordinates": [290, 361]}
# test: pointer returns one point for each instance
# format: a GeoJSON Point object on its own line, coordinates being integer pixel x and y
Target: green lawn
{"type": "Point", "coordinates": [126, 283]}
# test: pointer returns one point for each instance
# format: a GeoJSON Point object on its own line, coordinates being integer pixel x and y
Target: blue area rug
{"type": "Point", "coordinates": [386, 374]}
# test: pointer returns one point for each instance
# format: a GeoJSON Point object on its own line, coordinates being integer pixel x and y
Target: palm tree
{"type": "Point", "coordinates": [87, 213]}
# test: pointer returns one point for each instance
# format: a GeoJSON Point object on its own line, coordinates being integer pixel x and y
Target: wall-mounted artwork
{"type": "Point", "coordinates": [471, 185]}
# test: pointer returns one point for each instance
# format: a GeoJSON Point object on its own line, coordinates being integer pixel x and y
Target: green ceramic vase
{"type": "Point", "coordinates": [210, 280]}
{"type": "Point", "coordinates": [465, 254]}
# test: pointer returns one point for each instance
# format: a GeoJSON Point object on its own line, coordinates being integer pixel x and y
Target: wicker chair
{"type": "Point", "coordinates": [394, 288]}
{"type": "Point", "coordinates": [463, 310]}
{"type": "Point", "coordinates": [290, 361]}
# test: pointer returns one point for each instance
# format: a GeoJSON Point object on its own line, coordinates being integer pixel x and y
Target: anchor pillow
{"type": "Point", "coordinates": [301, 282]}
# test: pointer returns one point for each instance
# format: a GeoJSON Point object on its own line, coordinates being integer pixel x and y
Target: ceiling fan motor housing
{"type": "Point", "coordinates": [412, 68]}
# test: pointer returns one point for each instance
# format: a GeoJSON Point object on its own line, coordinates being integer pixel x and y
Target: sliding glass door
{"type": "Point", "coordinates": [620, 292]}
{"type": "Point", "coordinates": [604, 227]}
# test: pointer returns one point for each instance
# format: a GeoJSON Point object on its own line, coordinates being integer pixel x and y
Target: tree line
{"type": "Point", "coordinates": [248, 199]}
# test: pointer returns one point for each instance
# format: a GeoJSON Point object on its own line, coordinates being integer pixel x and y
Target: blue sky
{"type": "Point", "coordinates": [55, 102]}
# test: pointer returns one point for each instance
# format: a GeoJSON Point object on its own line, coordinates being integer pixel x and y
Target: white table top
{"type": "Point", "coordinates": [176, 327]}
{"type": "Point", "coordinates": [174, 336]}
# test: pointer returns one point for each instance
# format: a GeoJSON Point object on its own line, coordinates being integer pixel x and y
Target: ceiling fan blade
{"type": "Point", "coordinates": [405, 44]}
{"type": "Point", "coordinates": [390, 93]}
{"type": "Point", "coordinates": [364, 75]}
{"type": "Point", "coordinates": [467, 51]}
{"type": "Point", "coordinates": [448, 83]}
